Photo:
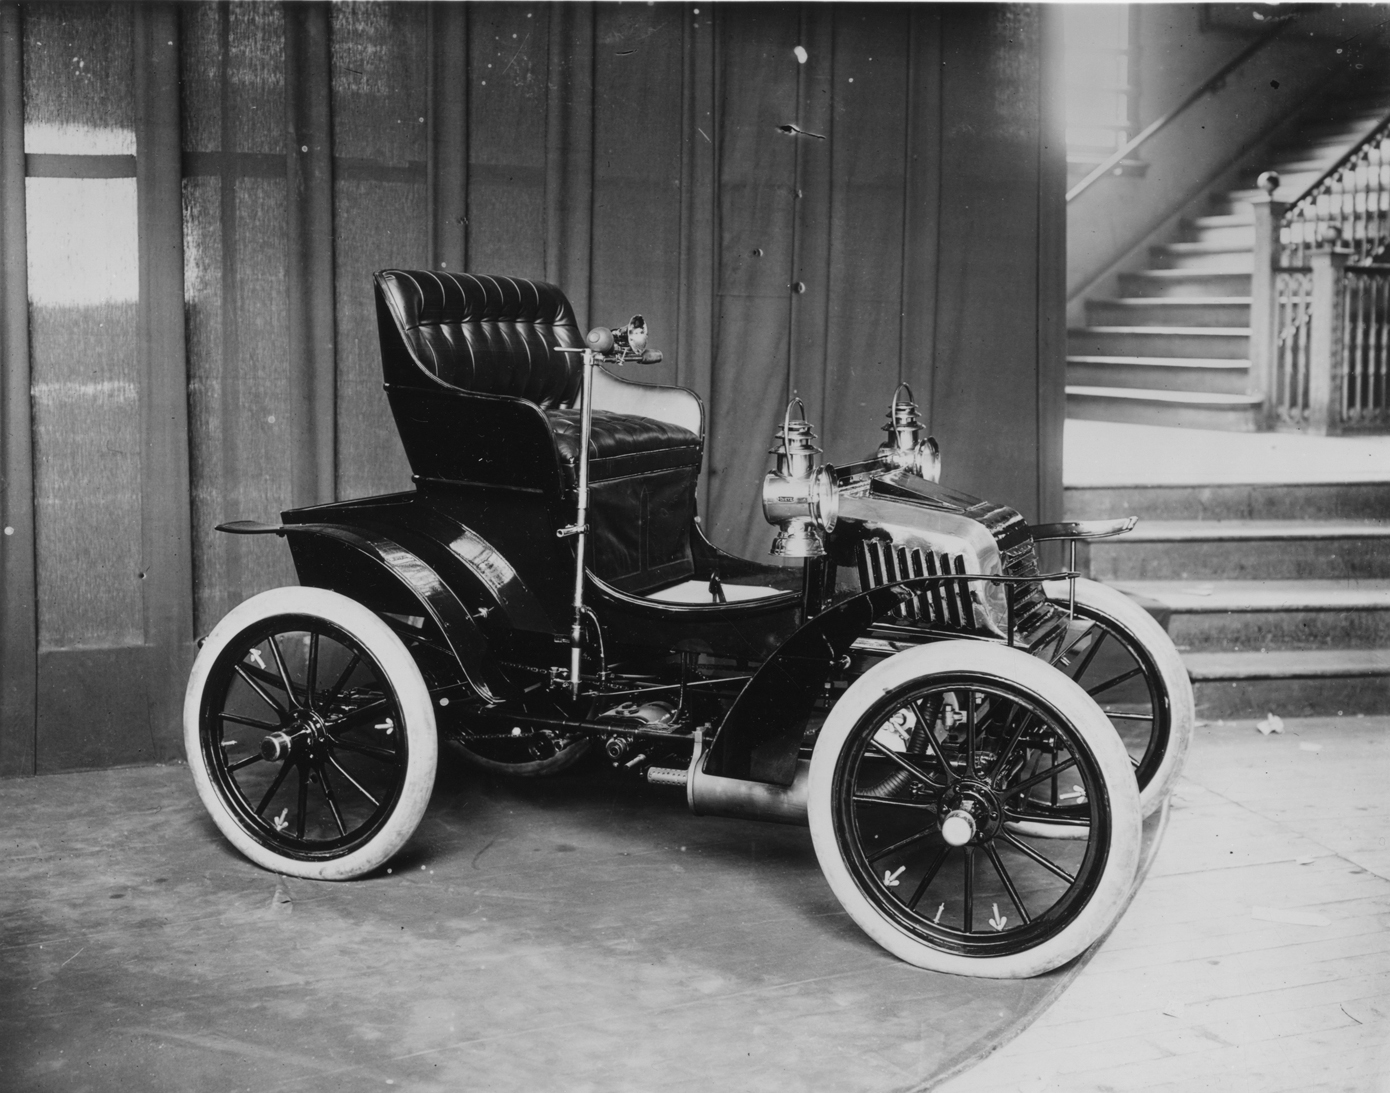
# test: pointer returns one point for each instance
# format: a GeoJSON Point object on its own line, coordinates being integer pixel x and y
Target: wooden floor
{"type": "Point", "coordinates": [1256, 957]}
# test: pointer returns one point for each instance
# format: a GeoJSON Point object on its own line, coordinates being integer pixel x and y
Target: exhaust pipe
{"type": "Point", "coordinates": [711, 795]}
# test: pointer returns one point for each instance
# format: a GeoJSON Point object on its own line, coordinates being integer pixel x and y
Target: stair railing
{"type": "Point", "coordinates": [1320, 303]}
{"type": "Point", "coordinates": [1350, 202]}
{"type": "Point", "coordinates": [1213, 83]}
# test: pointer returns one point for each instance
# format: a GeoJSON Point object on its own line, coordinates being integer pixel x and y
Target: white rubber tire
{"type": "Point", "coordinates": [417, 723]}
{"type": "Point", "coordinates": [1042, 683]}
{"type": "Point", "coordinates": [1122, 613]}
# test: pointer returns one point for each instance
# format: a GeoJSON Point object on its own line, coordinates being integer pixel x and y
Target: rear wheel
{"type": "Point", "coordinates": [918, 778]}
{"type": "Point", "coordinates": [310, 734]}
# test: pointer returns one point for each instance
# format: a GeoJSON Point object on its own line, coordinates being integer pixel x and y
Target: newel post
{"type": "Point", "coordinates": [1328, 261]}
{"type": "Point", "coordinates": [1264, 309]}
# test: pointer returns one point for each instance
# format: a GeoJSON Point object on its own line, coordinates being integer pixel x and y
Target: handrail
{"type": "Point", "coordinates": [1303, 213]}
{"type": "Point", "coordinates": [1211, 83]}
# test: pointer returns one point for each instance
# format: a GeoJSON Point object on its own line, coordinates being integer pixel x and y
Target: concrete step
{"type": "Point", "coordinates": [1229, 311]}
{"type": "Point", "coordinates": [1207, 342]}
{"type": "Point", "coordinates": [1236, 616]}
{"type": "Point", "coordinates": [1245, 549]}
{"type": "Point", "coordinates": [1341, 501]}
{"type": "Point", "coordinates": [1184, 282]}
{"type": "Point", "coordinates": [1224, 257]}
{"type": "Point", "coordinates": [1180, 409]}
{"type": "Point", "coordinates": [1172, 374]}
{"type": "Point", "coordinates": [1290, 683]}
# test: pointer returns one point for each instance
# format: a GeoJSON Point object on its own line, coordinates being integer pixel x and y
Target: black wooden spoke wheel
{"type": "Point", "coordinates": [1129, 665]}
{"type": "Point", "coordinates": [310, 734]}
{"type": "Point", "coordinates": [920, 777]}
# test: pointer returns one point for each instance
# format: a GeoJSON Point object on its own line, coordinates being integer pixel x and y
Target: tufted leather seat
{"type": "Point", "coordinates": [496, 339]}
{"type": "Point", "coordinates": [621, 445]}
{"type": "Point", "coordinates": [492, 335]}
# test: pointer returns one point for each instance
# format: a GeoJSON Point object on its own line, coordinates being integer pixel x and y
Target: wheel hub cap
{"type": "Point", "coordinates": [970, 812]}
{"type": "Point", "coordinates": [958, 827]}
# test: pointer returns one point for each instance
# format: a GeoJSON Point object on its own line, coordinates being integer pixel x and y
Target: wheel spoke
{"type": "Point", "coordinates": [1050, 772]}
{"type": "Point", "coordinates": [969, 889]}
{"type": "Point", "coordinates": [901, 844]}
{"type": "Point", "coordinates": [911, 769]}
{"type": "Point", "coordinates": [339, 768]}
{"type": "Point", "coordinates": [284, 714]}
{"type": "Point", "coordinates": [1004, 755]}
{"type": "Point", "coordinates": [1008, 882]}
{"type": "Point", "coordinates": [284, 675]}
{"type": "Point", "coordinates": [930, 734]}
{"type": "Point", "coordinates": [311, 675]}
{"type": "Point", "coordinates": [256, 758]}
{"type": "Point", "coordinates": [303, 797]}
{"type": "Point", "coordinates": [870, 799]}
{"type": "Point", "coordinates": [381, 754]}
{"type": "Point", "coordinates": [1138, 669]}
{"type": "Point", "coordinates": [362, 713]}
{"type": "Point", "coordinates": [332, 799]}
{"type": "Point", "coordinates": [265, 726]}
{"type": "Point", "coordinates": [337, 687]}
{"type": "Point", "coordinates": [274, 787]}
{"type": "Point", "coordinates": [1047, 863]}
{"type": "Point", "coordinates": [1090, 653]}
{"type": "Point", "coordinates": [1116, 715]}
{"type": "Point", "coordinates": [970, 734]}
{"type": "Point", "coordinates": [928, 876]}
{"type": "Point", "coordinates": [1037, 818]}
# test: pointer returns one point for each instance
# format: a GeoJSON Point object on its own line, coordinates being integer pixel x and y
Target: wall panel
{"type": "Point", "coordinates": [380, 103]}
{"type": "Point", "coordinates": [507, 73]}
{"type": "Point", "coordinates": [234, 288]}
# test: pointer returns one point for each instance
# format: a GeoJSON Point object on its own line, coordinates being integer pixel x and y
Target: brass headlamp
{"type": "Point", "coordinates": [799, 497]}
{"type": "Point", "coordinates": [905, 447]}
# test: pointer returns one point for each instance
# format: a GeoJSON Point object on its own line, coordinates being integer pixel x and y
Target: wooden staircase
{"type": "Point", "coordinates": [1174, 347]}
{"type": "Point", "coordinates": [1277, 596]}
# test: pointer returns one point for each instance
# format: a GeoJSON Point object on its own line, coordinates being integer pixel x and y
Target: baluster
{"type": "Point", "coordinates": [1264, 290]}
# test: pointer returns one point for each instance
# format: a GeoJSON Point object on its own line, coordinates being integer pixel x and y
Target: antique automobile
{"type": "Point", "coordinates": [972, 743]}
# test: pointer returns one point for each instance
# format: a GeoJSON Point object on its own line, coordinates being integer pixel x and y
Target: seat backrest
{"type": "Point", "coordinates": [494, 335]}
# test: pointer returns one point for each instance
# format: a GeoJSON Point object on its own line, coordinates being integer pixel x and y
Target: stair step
{"type": "Point", "coordinates": [1245, 549]}
{"type": "Point", "coordinates": [1224, 220]}
{"type": "Point", "coordinates": [1180, 409]}
{"type": "Point", "coordinates": [1223, 257]}
{"type": "Point", "coordinates": [1162, 283]}
{"type": "Point", "coordinates": [1291, 684]}
{"type": "Point", "coordinates": [1228, 311]}
{"type": "Point", "coordinates": [1236, 615]}
{"type": "Point", "coordinates": [1172, 374]}
{"type": "Point", "coordinates": [1232, 236]}
{"type": "Point", "coordinates": [1340, 501]}
{"type": "Point", "coordinates": [1160, 341]}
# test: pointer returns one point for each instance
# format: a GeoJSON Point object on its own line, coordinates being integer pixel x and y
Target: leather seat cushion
{"type": "Point", "coordinates": [621, 445]}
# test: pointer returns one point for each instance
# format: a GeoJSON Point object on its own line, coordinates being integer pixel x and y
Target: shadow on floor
{"type": "Point", "coordinates": [580, 933]}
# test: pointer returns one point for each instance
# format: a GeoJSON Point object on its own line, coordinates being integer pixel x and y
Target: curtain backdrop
{"type": "Point", "coordinates": [821, 199]}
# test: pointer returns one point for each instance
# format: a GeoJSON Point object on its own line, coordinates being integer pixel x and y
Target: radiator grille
{"type": "Point", "coordinates": [945, 603]}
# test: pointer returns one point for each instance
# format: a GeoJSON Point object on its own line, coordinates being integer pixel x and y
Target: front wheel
{"type": "Point", "coordinates": [310, 734]}
{"type": "Point", "coordinates": [919, 777]}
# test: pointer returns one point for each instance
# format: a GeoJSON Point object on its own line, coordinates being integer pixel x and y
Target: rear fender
{"type": "Point", "coordinates": [769, 715]}
{"type": "Point", "coordinates": [388, 578]}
